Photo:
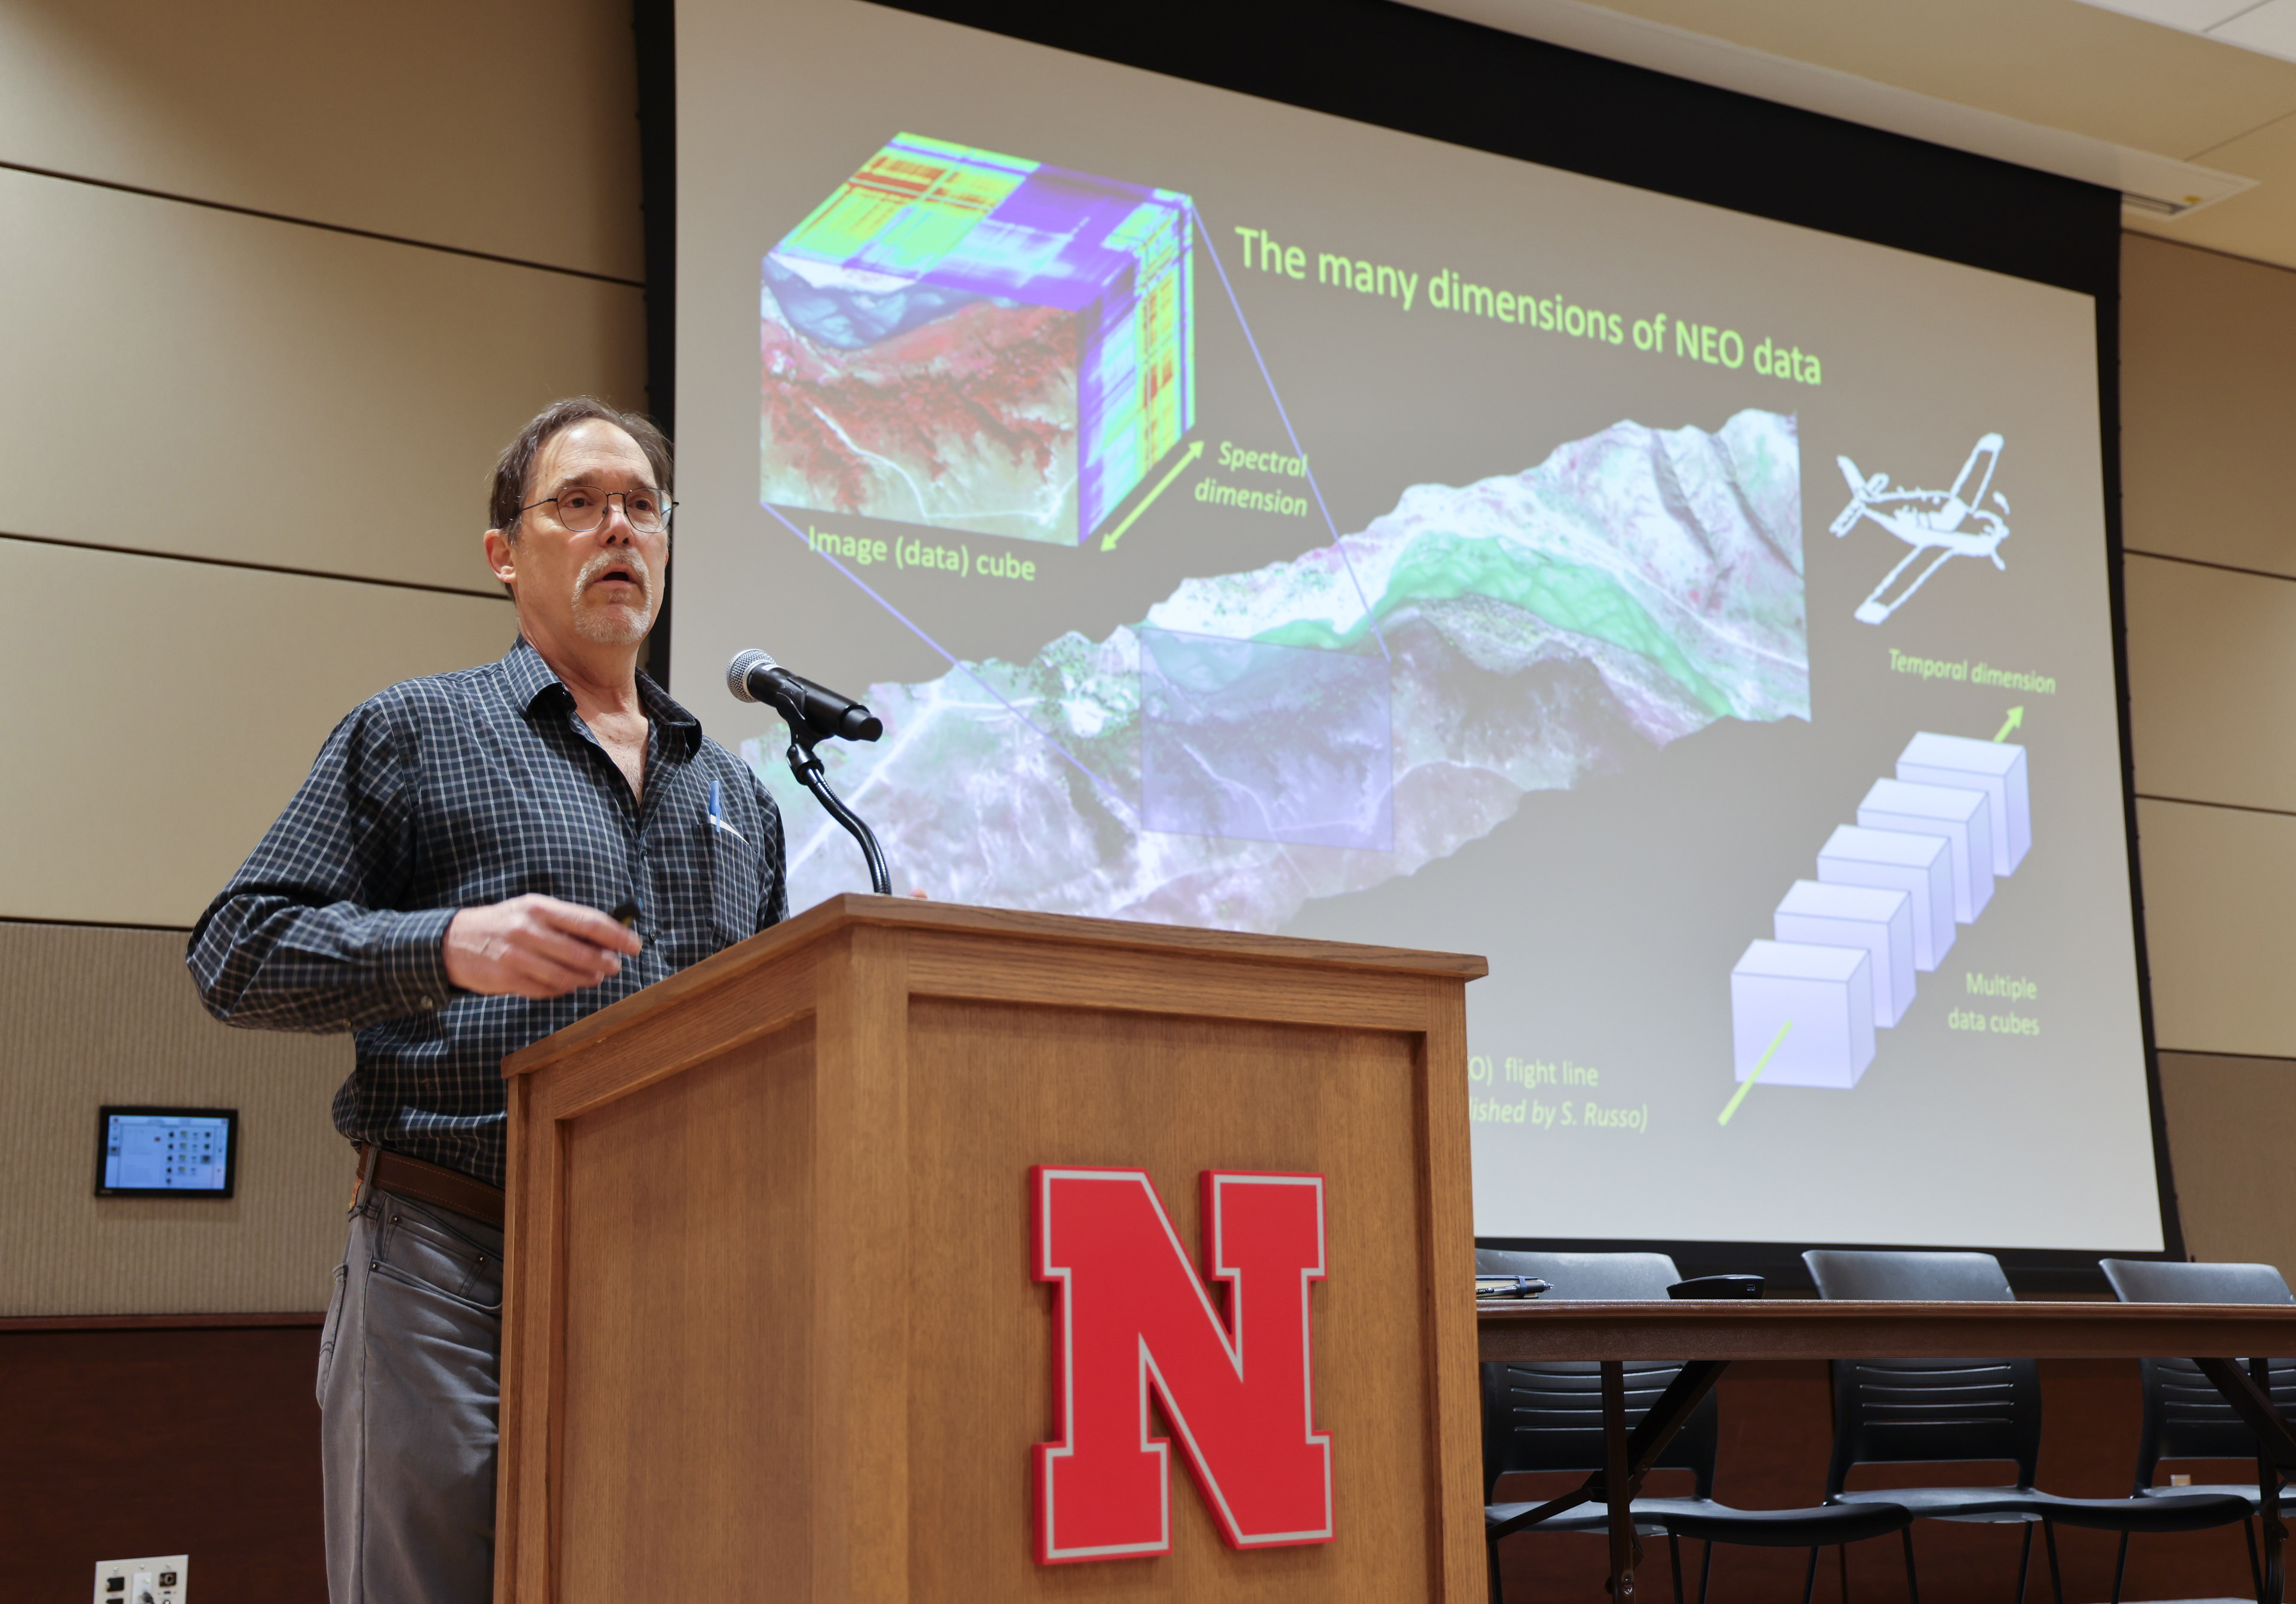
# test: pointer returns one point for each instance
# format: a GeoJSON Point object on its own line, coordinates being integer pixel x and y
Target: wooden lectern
{"type": "Point", "coordinates": [771, 1331]}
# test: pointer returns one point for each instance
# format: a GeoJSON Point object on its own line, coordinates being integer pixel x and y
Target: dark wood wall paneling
{"type": "Point", "coordinates": [124, 1437]}
{"type": "Point", "coordinates": [128, 1435]}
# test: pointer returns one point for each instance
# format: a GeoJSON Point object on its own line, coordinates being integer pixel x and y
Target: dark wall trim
{"type": "Point", "coordinates": [258, 568]}
{"type": "Point", "coordinates": [341, 228]}
{"type": "Point", "coordinates": [95, 924]}
{"type": "Point", "coordinates": [2222, 567]}
{"type": "Point", "coordinates": [654, 24]}
{"type": "Point", "coordinates": [155, 1322]}
{"type": "Point", "coordinates": [2115, 579]}
{"type": "Point", "coordinates": [2284, 812]}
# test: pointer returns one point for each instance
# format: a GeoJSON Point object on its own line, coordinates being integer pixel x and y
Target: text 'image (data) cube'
{"type": "Point", "coordinates": [1920, 865]}
{"type": "Point", "coordinates": [1958, 814]}
{"type": "Point", "coordinates": [1878, 921]}
{"type": "Point", "coordinates": [1810, 1008]}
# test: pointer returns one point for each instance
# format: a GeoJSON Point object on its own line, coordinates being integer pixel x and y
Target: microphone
{"type": "Point", "coordinates": [753, 676]}
{"type": "Point", "coordinates": [812, 713]}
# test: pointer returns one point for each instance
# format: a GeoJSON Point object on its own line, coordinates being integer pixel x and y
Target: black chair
{"type": "Point", "coordinates": [1943, 1411]}
{"type": "Point", "coordinates": [2186, 1418]}
{"type": "Point", "coordinates": [1548, 1417]}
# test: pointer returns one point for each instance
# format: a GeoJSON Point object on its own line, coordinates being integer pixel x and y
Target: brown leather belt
{"type": "Point", "coordinates": [432, 1183]}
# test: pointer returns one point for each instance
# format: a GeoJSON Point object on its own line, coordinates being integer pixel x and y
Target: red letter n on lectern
{"type": "Point", "coordinates": [1133, 1316]}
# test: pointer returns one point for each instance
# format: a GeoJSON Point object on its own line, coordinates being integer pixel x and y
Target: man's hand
{"type": "Point", "coordinates": [535, 947]}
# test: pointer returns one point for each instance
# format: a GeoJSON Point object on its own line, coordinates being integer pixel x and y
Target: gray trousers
{"type": "Point", "coordinates": [410, 1365]}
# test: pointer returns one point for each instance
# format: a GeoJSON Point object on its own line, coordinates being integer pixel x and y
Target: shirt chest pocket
{"type": "Point", "coordinates": [736, 886]}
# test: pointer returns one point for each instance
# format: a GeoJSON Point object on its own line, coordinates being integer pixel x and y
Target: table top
{"type": "Point", "coordinates": [1812, 1329]}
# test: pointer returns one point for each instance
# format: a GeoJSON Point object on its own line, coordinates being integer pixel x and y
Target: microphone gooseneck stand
{"type": "Point", "coordinates": [806, 766]}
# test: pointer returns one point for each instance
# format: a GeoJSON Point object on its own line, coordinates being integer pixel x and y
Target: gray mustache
{"type": "Point", "coordinates": [607, 561]}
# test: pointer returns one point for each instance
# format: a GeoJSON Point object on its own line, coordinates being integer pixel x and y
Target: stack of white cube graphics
{"type": "Point", "coordinates": [1922, 858]}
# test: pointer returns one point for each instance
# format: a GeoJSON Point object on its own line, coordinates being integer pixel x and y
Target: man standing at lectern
{"type": "Point", "coordinates": [477, 859]}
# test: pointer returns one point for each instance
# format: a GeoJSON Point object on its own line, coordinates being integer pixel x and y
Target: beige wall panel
{"type": "Point", "coordinates": [2231, 1124]}
{"type": "Point", "coordinates": [2220, 925]}
{"type": "Point", "coordinates": [2212, 683]}
{"type": "Point", "coordinates": [186, 380]}
{"type": "Point", "coordinates": [509, 126]}
{"type": "Point", "coordinates": [92, 1017]}
{"type": "Point", "coordinates": [164, 711]}
{"type": "Point", "coordinates": [2208, 404]}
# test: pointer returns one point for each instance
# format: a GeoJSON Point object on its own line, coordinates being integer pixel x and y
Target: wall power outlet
{"type": "Point", "coordinates": [159, 1580]}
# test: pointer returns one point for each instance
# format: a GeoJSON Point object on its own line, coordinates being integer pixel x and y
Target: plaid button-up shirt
{"type": "Point", "coordinates": [455, 791]}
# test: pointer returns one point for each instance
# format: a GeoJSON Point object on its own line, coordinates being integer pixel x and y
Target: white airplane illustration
{"type": "Point", "coordinates": [1948, 522]}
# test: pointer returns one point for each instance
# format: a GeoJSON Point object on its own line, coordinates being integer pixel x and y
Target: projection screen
{"type": "Point", "coordinates": [1243, 517]}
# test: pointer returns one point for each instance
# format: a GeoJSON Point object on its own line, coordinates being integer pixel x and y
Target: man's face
{"type": "Point", "coordinates": [603, 586]}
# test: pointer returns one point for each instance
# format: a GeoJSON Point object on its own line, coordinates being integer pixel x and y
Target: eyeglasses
{"type": "Point", "coordinates": [582, 507]}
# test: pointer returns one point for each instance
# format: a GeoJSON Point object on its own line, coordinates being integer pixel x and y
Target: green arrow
{"type": "Point", "coordinates": [2016, 717]}
{"type": "Point", "coordinates": [1108, 540]}
{"type": "Point", "coordinates": [1747, 1084]}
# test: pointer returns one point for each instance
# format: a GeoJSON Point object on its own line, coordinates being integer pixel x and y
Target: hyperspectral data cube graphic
{"type": "Point", "coordinates": [1957, 812]}
{"type": "Point", "coordinates": [1993, 766]}
{"type": "Point", "coordinates": [1810, 1008]}
{"type": "Point", "coordinates": [1879, 922]}
{"type": "Point", "coordinates": [974, 341]}
{"type": "Point", "coordinates": [1919, 865]}
{"type": "Point", "coordinates": [1260, 742]}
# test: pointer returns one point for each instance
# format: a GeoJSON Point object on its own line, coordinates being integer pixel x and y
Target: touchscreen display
{"type": "Point", "coordinates": [165, 1152]}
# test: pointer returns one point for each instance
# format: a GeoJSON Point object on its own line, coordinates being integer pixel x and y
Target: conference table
{"type": "Point", "coordinates": [1708, 1334]}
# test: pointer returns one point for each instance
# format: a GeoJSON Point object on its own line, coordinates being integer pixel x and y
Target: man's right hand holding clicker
{"type": "Point", "coordinates": [535, 947]}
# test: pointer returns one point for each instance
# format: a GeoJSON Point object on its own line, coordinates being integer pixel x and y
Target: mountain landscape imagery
{"type": "Point", "coordinates": [1321, 725]}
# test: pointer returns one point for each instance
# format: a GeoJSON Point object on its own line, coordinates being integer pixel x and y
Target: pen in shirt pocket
{"type": "Point", "coordinates": [717, 811]}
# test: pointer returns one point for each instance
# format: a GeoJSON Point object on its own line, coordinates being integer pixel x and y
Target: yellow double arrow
{"type": "Point", "coordinates": [1108, 540]}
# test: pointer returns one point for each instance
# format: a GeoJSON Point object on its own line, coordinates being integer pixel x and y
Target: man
{"type": "Point", "coordinates": [439, 885]}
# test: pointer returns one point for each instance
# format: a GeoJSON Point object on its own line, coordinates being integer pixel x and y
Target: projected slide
{"type": "Point", "coordinates": [1244, 518]}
